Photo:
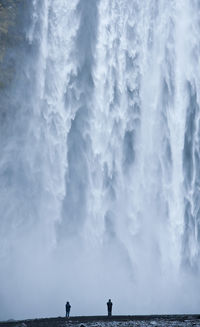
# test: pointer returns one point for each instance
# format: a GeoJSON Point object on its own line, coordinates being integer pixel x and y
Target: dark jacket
{"type": "Point", "coordinates": [67, 307]}
{"type": "Point", "coordinates": [109, 305]}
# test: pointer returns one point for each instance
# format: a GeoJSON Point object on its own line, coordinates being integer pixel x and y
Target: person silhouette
{"type": "Point", "coordinates": [109, 306]}
{"type": "Point", "coordinates": [67, 308]}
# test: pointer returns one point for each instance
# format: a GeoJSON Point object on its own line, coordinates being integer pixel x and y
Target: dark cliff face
{"type": "Point", "coordinates": [14, 21]}
{"type": "Point", "coordinates": [11, 37]}
{"type": "Point", "coordinates": [8, 13]}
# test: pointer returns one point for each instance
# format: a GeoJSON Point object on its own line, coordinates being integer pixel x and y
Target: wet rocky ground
{"type": "Point", "coordinates": [115, 321]}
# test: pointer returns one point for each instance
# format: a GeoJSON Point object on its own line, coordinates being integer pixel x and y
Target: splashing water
{"type": "Point", "coordinates": [100, 159]}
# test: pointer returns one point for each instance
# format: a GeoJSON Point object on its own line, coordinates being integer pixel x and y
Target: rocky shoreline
{"type": "Point", "coordinates": [118, 321]}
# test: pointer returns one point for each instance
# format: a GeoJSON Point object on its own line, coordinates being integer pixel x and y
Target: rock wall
{"type": "Point", "coordinates": [9, 38]}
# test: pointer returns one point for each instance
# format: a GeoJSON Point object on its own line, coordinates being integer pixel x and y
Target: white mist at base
{"type": "Point", "coordinates": [100, 160]}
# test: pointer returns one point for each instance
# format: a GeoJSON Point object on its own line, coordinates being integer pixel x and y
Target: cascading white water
{"type": "Point", "coordinates": [100, 158]}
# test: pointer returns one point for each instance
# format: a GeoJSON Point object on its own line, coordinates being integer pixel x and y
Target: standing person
{"type": "Point", "coordinates": [67, 307]}
{"type": "Point", "coordinates": [109, 306]}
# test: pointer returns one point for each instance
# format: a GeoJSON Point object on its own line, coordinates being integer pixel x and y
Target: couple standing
{"type": "Point", "coordinates": [109, 307]}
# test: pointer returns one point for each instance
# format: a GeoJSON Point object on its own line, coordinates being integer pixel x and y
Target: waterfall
{"type": "Point", "coordinates": [100, 157]}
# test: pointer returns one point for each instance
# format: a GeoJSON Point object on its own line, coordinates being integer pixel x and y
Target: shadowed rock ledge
{"type": "Point", "coordinates": [119, 321]}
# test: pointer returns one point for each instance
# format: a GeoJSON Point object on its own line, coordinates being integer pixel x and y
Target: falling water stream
{"type": "Point", "coordinates": [100, 159]}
